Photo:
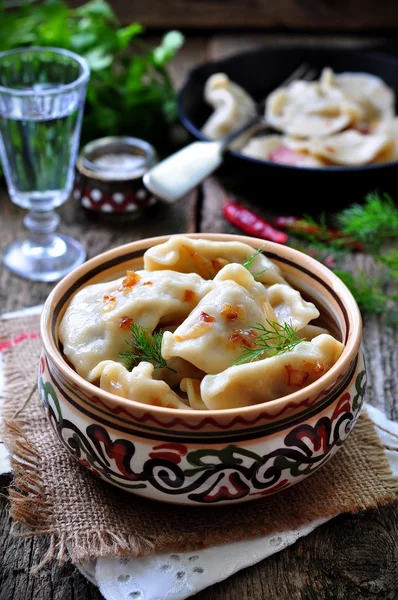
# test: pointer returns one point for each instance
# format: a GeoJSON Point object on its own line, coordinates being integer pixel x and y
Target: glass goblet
{"type": "Point", "coordinates": [42, 95]}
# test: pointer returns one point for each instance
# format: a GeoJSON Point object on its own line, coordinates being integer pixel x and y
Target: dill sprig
{"type": "Point", "coordinates": [276, 339]}
{"type": "Point", "coordinates": [145, 346]}
{"type": "Point", "coordinates": [249, 262]}
{"type": "Point", "coordinates": [368, 227]}
{"type": "Point", "coordinates": [372, 223]}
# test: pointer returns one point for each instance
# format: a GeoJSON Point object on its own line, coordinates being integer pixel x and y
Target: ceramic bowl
{"type": "Point", "coordinates": [206, 457]}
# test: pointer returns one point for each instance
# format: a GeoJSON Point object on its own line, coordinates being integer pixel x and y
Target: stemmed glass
{"type": "Point", "coordinates": [42, 95]}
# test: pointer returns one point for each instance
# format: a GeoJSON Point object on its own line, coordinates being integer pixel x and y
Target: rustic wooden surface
{"type": "Point", "coordinates": [350, 558]}
{"type": "Point", "coordinates": [226, 14]}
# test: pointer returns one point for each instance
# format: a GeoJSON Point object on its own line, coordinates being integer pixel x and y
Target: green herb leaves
{"type": "Point", "coordinates": [145, 346]}
{"type": "Point", "coordinates": [275, 339]}
{"type": "Point", "coordinates": [130, 91]}
{"type": "Point", "coordinates": [366, 227]}
{"type": "Point", "coordinates": [373, 223]}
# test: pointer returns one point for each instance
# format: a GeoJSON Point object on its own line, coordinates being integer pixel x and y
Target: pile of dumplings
{"type": "Point", "coordinates": [340, 119]}
{"type": "Point", "coordinates": [207, 304]}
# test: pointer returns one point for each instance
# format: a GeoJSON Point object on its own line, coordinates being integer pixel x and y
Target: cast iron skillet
{"type": "Point", "coordinates": [284, 187]}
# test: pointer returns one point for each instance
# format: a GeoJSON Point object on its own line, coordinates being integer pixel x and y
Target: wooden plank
{"type": "Point", "coordinates": [224, 45]}
{"type": "Point", "coordinates": [18, 556]}
{"type": "Point", "coordinates": [349, 558]}
{"type": "Point", "coordinates": [315, 15]}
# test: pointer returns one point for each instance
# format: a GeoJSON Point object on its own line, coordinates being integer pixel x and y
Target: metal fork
{"type": "Point", "coordinates": [175, 176]}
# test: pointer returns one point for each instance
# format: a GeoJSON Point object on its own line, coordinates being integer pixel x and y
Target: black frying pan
{"type": "Point", "coordinates": [282, 187]}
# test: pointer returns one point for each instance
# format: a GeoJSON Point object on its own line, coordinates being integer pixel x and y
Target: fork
{"type": "Point", "coordinates": [179, 173]}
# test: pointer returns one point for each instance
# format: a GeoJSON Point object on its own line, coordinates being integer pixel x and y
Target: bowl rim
{"type": "Point", "coordinates": [325, 382]}
{"type": "Point", "coordinates": [189, 125]}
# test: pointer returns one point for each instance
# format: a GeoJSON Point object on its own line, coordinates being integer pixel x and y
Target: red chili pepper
{"type": "Point", "coordinates": [295, 225]}
{"type": "Point", "coordinates": [251, 223]}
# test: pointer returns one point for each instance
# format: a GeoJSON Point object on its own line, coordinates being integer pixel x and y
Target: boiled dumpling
{"type": "Point", "coordinates": [207, 257]}
{"type": "Point", "coordinates": [97, 321]}
{"type": "Point", "coordinates": [310, 331]}
{"type": "Point", "coordinates": [370, 93]}
{"type": "Point", "coordinates": [273, 148]}
{"type": "Point", "coordinates": [221, 325]}
{"type": "Point", "coordinates": [137, 384]}
{"type": "Point", "coordinates": [233, 107]}
{"type": "Point", "coordinates": [347, 148]}
{"type": "Point", "coordinates": [272, 377]}
{"type": "Point", "coordinates": [301, 110]}
{"type": "Point", "coordinates": [192, 389]}
{"type": "Point", "coordinates": [290, 307]}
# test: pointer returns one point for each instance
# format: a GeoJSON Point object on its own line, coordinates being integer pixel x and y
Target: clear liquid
{"type": "Point", "coordinates": [38, 152]}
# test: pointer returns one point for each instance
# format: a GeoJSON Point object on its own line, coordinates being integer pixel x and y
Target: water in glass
{"type": "Point", "coordinates": [42, 93]}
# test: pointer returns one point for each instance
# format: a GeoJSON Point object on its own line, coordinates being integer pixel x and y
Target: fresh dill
{"type": "Point", "coordinates": [249, 262]}
{"type": "Point", "coordinates": [275, 339]}
{"type": "Point", "coordinates": [372, 223]}
{"type": "Point", "coordinates": [145, 346]}
{"type": "Point", "coordinates": [367, 227]}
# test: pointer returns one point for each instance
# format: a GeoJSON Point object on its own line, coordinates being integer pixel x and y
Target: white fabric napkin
{"type": "Point", "coordinates": [179, 576]}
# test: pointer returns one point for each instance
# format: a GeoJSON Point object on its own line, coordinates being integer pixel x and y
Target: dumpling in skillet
{"type": "Point", "coordinates": [374, 97]}
{"type": "Point", "coordinates": [272, 377]}
{"type": "Point", "coordinates": [274, 149]}
{"type": "Point", "coordinates": [301, 110]}
{"type": "Point", "coordinates": [348, 148]}
{"type": "Point", "coordinates": [233, 107]}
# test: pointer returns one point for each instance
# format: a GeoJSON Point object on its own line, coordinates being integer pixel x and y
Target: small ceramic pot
{"type": "Point", "coordinates": [206, 457]}
{"type": "Point", "coordinates": [109, 178]}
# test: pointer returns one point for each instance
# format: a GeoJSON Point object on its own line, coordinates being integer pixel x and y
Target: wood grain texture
{"type": "Point", "coordinates": [224, 45]}
{"type": "Point", "coordinates": [18, 556]}
{"type": "Point", "coordinates": [226, 14]}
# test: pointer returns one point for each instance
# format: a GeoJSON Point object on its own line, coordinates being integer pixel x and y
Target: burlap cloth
{"type": "Point", "coordinates": [87, 518]}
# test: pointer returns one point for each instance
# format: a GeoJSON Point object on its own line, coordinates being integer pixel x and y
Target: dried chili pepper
{"type": "Point", "coordinates": [251, 223]}
{"type": "Point", "coordinates": [297, 225]}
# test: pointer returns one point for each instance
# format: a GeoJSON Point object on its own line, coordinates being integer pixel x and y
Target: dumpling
{"type": "Point", "coordinates": [97, 321]}
{"type": "Point", "coordinates": [137, 384]}
{"type": "Point", "coordinates": [207, 257]}
{"type": "Point", "coordinates": [272, 377]}
{"type": "Point", "coordinates": [290, 307]}
{"type": "Point", "coordinates": [233, 107]}
{"type": "Point", "coordinates": [348, 148]}
{"type": "Point", "coordinates": [192, 389]}
{"type": "Point", "coordinates": [310, 331]}
{"type": "Point", "coordinates": [301, 110]}
{"type": "Point", "coordinates": [274, 149]}
{"type": "Point", "coordinates": [215, 332]}
{"type": "Point", "coordinates": [374, 97]}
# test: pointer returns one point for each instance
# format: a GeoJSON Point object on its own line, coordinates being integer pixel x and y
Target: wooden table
{"type": "Point", "coordinates": [350, 558]}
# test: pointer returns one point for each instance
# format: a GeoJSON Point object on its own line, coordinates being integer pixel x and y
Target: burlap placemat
{"type": "Point", "coordinates": [52, 495]}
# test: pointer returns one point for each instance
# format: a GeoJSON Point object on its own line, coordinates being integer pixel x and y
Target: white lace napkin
{"type": "Point", "coordinates": [178, 576]}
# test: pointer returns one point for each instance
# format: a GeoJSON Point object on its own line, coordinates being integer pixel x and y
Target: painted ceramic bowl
{"type": "Point", "coordinates": [210, 457]}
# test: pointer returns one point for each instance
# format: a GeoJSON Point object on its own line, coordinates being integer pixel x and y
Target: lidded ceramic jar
{"type": "Point", "coordinates": [109, 177]}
